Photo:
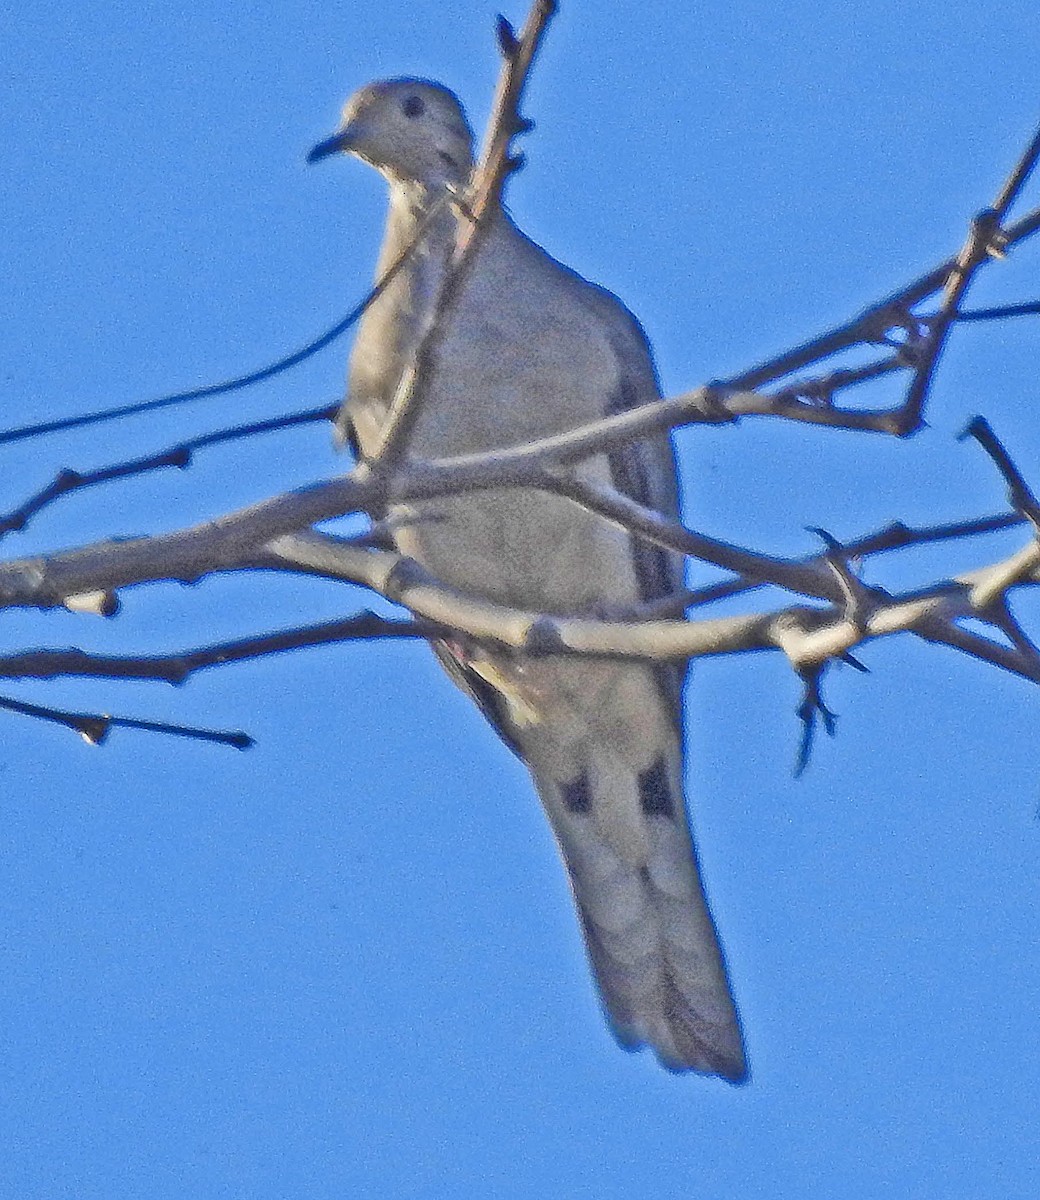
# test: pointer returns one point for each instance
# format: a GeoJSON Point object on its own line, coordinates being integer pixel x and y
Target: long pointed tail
{"type": "Point", "coordinates": [633, 868]}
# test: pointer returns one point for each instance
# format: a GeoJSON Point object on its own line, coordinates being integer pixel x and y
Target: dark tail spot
{"type": "Point", "coordinates": [655, 796]}
{"type": "Point", "coordinates": [576, 795]}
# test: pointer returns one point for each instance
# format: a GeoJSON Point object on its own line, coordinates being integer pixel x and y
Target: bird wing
{"type": "Point", "coordinates": [604, 740]}
{"type": "Point", "coordinates": [534, 349]}
{"type": "Point", "coordinates": [633, 867]}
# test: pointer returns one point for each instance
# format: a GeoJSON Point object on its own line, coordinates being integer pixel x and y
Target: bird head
{"type": "Point", "coordinates": [409, 129]}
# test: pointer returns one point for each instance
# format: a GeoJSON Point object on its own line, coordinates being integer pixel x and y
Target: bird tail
{"type": "Point", "coordinates": [626, 842]}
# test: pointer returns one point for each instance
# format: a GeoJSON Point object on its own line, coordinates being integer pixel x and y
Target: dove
{"type": "Point", "coordinates": [531, 349]}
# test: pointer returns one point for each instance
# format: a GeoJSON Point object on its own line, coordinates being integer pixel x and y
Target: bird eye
{"type": "Point", "coordinates": [413, 106]}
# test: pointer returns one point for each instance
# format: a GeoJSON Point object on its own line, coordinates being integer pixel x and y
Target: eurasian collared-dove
{"type": "Point", "coordinates": [533, 349]}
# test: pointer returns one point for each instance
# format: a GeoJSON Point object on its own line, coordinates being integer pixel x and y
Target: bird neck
{"type": "Point", "coordinates": [410, 208]}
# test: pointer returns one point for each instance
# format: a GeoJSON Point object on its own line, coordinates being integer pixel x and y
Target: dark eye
{"type": "Point", "coordinates": [413, 106]}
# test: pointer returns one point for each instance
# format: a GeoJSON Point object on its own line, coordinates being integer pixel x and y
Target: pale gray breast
{"type": "Point", "coordinates": [389, 332]}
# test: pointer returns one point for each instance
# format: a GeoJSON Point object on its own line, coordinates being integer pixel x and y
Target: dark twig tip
{"type": "Point", "coordinates": [828, 539]}
{"type": "Point", "coordinates": [804, 748]}
{"type": "Point", "coordinates": [1019, 492]}
{"type": "Point", "coordinates": [976, 428]}
{"type": "Point", "coordinates": [508, 42]}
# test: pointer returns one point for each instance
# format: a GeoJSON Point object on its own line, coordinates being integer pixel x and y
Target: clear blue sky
{"type": "Point", "coordinates": [345, 964]}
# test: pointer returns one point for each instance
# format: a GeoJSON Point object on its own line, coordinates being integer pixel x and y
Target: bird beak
{"type": "Point", "coordinates": [340, 142]}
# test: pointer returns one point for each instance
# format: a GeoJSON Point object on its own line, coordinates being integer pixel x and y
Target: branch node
{"type": "Point", "coordinates": [93, 730]}
{"type": "Point", "coordinates": [404, 574]}
{"type": "Point", "coordinates": [987, 236]}
{"type": "Point", "coordinates": [876, 324]}
{"type": "Point", "coordinates": [711, 401]}
{"type": "Point", "coordinates": [817, 392]}
{"type": "Point", "coordinates": [903, 422]}
{"type": "Point", "coordinates": [543, 637]}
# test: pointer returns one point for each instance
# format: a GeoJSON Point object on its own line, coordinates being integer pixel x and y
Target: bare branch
{"type": "Point", "coordinates": [989, 595]}
{"type": "Point", "coordinates": [239, 382]}
{"type": "Point", "coordinates": [1002, 617]}
{"type": "Point", "coordinates": [495, 164]}
{"type": "Point", "coordinates": [985, 649]}
{"type": "Point", "coordinates": [178, 668]}
{"type": "Point", "coordinates": [807, 578]}
{"type": "Point", "coordinates": [871, 325]}
{"type": "Point", "coordinates": [481, 206]}
{"type": "Point", "coordinates": [1000, 312]}
{"type": "Point", "coordinates": [899, 536]}
{"type": "Point", "coordinates": [982, 237]}
{"type": "Point", "coordinates": [857, 600]}
{"type": "Point", "coordinates": [1019, 492]}
{"type": "Point", "coordinates": [179, 456]}
{"type": "Point", "coordinates": [807, 636]}
{"type": "Point", "coordinates": [822, 390]}
{"type": "Point", "coordinates": [95, 727]}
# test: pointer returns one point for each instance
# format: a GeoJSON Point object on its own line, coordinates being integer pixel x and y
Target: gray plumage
{"type": "Point", "coordinates": [533, 349]}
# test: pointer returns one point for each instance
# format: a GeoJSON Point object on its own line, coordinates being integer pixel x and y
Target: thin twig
{"type": "Point", "coordinates": [179, 456]}
{"type": "Point", "coordinates": [985, 649]}
{"type": "Point", "coordinates": [999, 313]}
{"type": "Point", "coordinates": [1004, 619]}
{"type": "Point", "coordinates": [869, 325]}
{"type": "Point", "coordinates": [178, 668]}
{"type": "Point", "coordinates": [985, 238]}
{"type": "Point", "coordinates": [19, 433]}
{"type": "Point", "coordinates": [821, 390]}
{"type": "Point", "coordinates": [856, 599]}
{"type": "Point", "coordinates": [481, 208]}
{"type": "Point", "coordinates": [808, 579]}
{"type": "Point", "coordinates": [1019, 492]}
{"type": "Point", "coordinates": [95, 727]}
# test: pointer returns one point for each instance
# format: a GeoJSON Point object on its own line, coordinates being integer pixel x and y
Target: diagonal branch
{"type": "Point", "coordinates": [239, 382]}
{"type": "Point", "coordinates": [475, 215]}
{"type": "Point", "coordinates": [180, 456]}
{"type": "Point", "coordinates": [178, 668]}
{"type": "Point", "coordinates": [807, 578]}
{"type": "Point", "coordinates": [1019, 492]}
{"type": "Point", "coordinates": [871, 325]}
{"type": "Point", "coordinates": [95, 727]}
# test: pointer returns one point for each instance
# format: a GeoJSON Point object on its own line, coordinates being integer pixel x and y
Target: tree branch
{"type": "Point", "coordinates": [178, 668]}
{"type": "Point", "coordinates": [479, 209]}
{"type": "Point", "coordinates": [95, 727]}
{"type": "Point", "coordinates": [180, 456]}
